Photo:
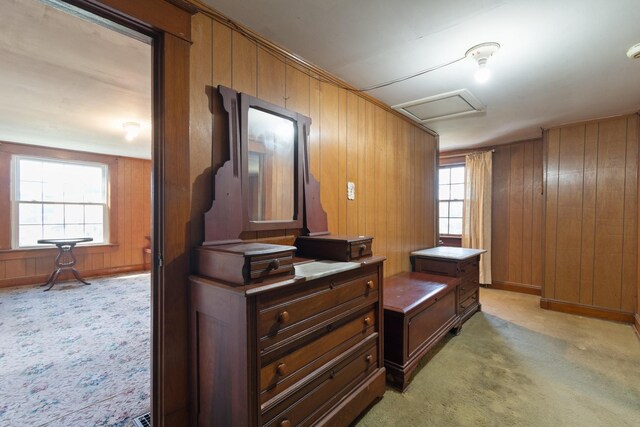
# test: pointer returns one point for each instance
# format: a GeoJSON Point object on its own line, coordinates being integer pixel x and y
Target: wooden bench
{"type": "Point", "coordinates": [419, 310]}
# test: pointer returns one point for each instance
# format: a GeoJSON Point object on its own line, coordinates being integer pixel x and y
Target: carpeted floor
{"type": "Point", "coordinates": [515, 364]}
{"type": "Point", "coordinates": [76, 355]}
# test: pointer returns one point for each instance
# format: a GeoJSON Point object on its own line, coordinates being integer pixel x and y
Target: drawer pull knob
{"type": "Point", "coordinates": [362, 248]}
{"type": "Point", "coordinates": [283, 317]}
{"type": "Point", "coordinates": [370, 284]}
{"type": "Point", "coordinates": [281, 369]}
{"type": "Point", "coordinates": [369, 358]}
{"type": "Point", "coordinates": [463, 289]}
{"type": "Point", "coordinates": [367, 321]}
{"type": "Point", "coordinates": [274, 265]}
{"type": "Point", "coordinates": [285, 423]}
{"type": "Point", "coordinates": [475, 282]}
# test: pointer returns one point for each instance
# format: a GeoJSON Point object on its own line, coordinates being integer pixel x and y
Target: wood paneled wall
{"type": "Point", "coordinates": [129, 213]}
{"type": "Point", "coordinates": [517, 217]}
{"type": "Point", "coordinates": [591, 235]}
{"type": "Point", "coordinates": [391, 161]}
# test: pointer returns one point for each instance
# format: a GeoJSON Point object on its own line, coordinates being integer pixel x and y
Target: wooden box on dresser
{"type": "Point", "coordinates": [305, 350]}
{"type": "Point", "coordinates": [454, 262]}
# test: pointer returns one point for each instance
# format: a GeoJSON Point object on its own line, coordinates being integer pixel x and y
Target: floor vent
{"type": "Point", "coordinates": [443, 106]}
{"type": "Point", "coordinates": [143, 420]}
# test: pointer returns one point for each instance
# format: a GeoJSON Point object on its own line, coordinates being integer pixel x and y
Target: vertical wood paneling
{"type": "Point", "coordinates": [381, 239]}
{"type": "Point", "coordinates": [517, 216]}
{"type": "Point", "coordinates": [537, 217]}
{"type": "Point", "coordinates": [391, 161]}
{"type": "Point", "coordinates": [363, 138]}
{"type": "Point", "coordinates": [220, 52]}
{"type": "Point", "coordinates": [271, 78]}
{"type": "Point", "coordinates": [588, 213]}
{"type": "Point", "coordinates": [316, 124]}
{"type": "Point", "coordinates": [551, 229]}
{"type": "Point", "coordinates": [342, 161]}
{"type": "Point", "coordinates": [592, 258]}
{"type": "Point", "coordinates": [607, 282]}
{"type": "Point", "coordinates": [352, 170]}
{"type": "Point", "coordinates": [244, 64]}
{"type": "Point", "coordinates": [329, 153]}
{"type": "Point", "coordinates": [500, 214]}
{"type": "Point", "coordinates": [391, 175]}
{"type": "Point", "coordinates": [297, 91]}
{"type": "Point", "coordinates": [368, 180]}
{"type": "Point", "coordinates": [569, 219]}
{"type": "Point", "coordinates": [516, 197]}
{"type": "Point", "coordinates": [527, 213]}
{"type": "Point", "coordinates": [630, 244]}
{"type": "Point", "coordinates": [5, 200]}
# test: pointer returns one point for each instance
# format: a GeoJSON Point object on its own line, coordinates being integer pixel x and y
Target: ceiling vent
{"type": "Point", "coordinates": [443, 106]}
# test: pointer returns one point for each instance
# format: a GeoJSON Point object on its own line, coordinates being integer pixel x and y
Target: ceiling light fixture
{"type": "Point", "coordinates": [132, 129]}
{"type": "Point", "coordinates": [634, 51]}
{"type": "Point", "coordinates": [481, 54]}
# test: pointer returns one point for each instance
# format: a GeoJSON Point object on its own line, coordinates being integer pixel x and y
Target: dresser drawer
{"type": "Point", "coordinates": [284, 316]}
{"type": "Point", "coordinates": [446, 268]}
{"type": "Point", "coordinates": [467, 289]}
{"type": "Point", "coordinates": [284, 371]}
{"type": "Point", "coordinates": [469, 302]}
{"type": "Point", "coordinates": [311, 401]}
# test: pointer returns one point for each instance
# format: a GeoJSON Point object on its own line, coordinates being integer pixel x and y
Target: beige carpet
{"type": "Point", "coordinates": [515, 364]}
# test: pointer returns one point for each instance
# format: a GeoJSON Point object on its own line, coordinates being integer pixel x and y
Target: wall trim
{"type": "Point", "coordinates": [636, 325]}
{"type": "Point", "coordinates": [522, 288]}
{"type": "Point", "coordinates": [586, 310]}
{"type": "Point", "coordinates": [41, 278]}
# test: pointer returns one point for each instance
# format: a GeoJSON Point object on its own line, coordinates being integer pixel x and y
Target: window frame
{"type": "Point", "coordinates": [464, 183]}
{"type": "Point", "coordinates": [15, 203]}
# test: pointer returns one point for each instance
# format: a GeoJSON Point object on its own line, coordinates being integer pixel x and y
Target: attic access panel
{"type": "Point", "coordinates": [442, 106]}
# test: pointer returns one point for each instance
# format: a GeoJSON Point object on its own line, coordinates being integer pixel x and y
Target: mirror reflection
{"type": "Point", "coordinates": [271, 166]}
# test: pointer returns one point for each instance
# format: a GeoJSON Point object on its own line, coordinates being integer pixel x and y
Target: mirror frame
{"type": "Point", "coordinates": [247, 102]}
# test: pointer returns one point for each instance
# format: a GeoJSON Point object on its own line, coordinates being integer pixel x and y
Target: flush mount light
{"type": "Point", "coordinates": [132, 129]}
{"type": "Point", "coordinates": [634, 51]}
{"type": "Point", "coordinates": [481, 54]}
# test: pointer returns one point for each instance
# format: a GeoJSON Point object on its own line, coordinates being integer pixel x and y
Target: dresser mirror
{"type": "Point", "coordinates": [265, 185]}
{"type": "Point", "coordinates": [271, 161]}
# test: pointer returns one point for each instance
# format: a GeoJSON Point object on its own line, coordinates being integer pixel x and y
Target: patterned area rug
{"type": "Point", "coordinates": [76, 355]}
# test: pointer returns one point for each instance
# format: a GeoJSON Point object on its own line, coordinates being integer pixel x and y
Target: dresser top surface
{"type": "Point", "coordinates": [448, 252]}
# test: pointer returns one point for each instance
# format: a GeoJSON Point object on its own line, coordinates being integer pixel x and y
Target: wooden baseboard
{"type": "Point", "coordinates": [636, 325]}
{"type": "Point", "coordinates": [523, 288]}
{"type": "Point", "coordinates": [587, 310]}
{"type": "Point", "coordinates": [34, 280]}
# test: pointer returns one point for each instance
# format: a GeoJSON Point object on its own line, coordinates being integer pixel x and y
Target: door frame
{"type": "Point", "coordinates": [168, 22]}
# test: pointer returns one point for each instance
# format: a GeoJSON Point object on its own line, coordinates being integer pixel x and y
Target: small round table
{"type": "Point", "coordinates": [65, 259]}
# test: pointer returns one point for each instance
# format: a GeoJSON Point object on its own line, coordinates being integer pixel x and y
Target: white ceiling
{"type": "Point", "coordinates": [560, 61]}
{"type": "Point", "coordinates": [70, 83]}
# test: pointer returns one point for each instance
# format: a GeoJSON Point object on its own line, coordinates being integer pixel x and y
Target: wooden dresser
{"type": "Point", "coordinates": [302, 351]}
{"type": "Point", "coordinates": [454, 262]}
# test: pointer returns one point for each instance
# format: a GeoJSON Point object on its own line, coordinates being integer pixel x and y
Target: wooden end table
{"type": "Point", "coordinates": [65, 259]}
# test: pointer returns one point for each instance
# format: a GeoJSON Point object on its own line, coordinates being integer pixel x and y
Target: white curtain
{"type": "Point", "coordinates": [476, 221]}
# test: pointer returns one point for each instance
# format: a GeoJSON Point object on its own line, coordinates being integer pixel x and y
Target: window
{"type": "Point", "coordinates": [58, 199]}
{"type": "Point", "coordinates": [451, 196]}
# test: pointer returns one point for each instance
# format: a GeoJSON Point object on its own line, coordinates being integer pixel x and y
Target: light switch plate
{"type": "Point", "coordinates": [351, 190]}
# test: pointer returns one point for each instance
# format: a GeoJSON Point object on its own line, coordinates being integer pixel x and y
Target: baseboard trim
{"type": "Point", "coordinates": [523, 288]}
{"type": "Point", "coordinates": [34, 280]}
{"type": "Point", "coordinates": [636, 326]}
{"type": "Point", "coordinates": [587, 310]}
